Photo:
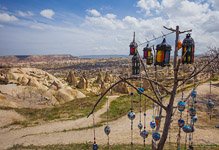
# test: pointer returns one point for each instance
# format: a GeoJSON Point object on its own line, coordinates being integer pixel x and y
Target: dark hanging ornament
{"type": "Point", "coordinates": [147, 54]}
{"type": "Point", "coordinates": [192, 112]}
{"type": "Point", "coordinates": [193, 94]}
{"type": "Point", "coordinates": [140, 90]}
{"type": "Point", "coordinates": [156, 136]}
{"type": "Point", "coordinates": [210, 104]}
{"type": "Point", "coordinates": [181, 123]}
{"type": "Point", "coordinates": [135, 65]}
{"type": "Point", "coordinates": [181, 106]}
{"type": "Point", "coordinates": [188, 129]}
{"type": "Point", "coordinates": [131, 115]}
{"type": "Point", "coordinates": [194, 119]}
{"type": "Point", "coordinates": [163, 54]}
{"type": "Point", "coordinates": [107, 130]}
{"type": "Point", "coordinates": [144, 134]}
{"type": "Point", "coordinates": [188, 50]}
{"type": "Point", "coordinates": [140, 126]}
{"type": "Point", "coordinates": [133, 46]}
{"type": "Point", "coordinates": [95, 146]}
{"type": "Point", "coordinates": [152, 124]}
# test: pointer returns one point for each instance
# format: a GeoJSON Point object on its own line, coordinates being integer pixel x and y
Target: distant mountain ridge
{"type": "Point", "coordinates": [103, 56]}
{"type": "Point", "coordinates": [35, 58]}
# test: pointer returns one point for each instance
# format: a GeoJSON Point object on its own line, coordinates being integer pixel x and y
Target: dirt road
{"type": "Point", "coordinates": [53, 133]}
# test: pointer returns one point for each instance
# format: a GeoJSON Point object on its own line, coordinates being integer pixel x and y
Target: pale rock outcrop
{"type": "Point", "coordinates": [24, 80]}
{"type": "Point", "coordinates": [71, 79]}
{"type": "Point", "coordinates": [35, 87]}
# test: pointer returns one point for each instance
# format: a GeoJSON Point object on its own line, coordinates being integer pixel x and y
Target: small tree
{"type": "Point", "coordinates": [167, 89]}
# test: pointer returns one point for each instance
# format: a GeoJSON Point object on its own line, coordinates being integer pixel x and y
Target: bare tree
{"type": "Point", "coordinates": [161, 90]}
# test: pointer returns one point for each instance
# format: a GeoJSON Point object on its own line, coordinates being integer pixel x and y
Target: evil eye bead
{"type": "Point", "coordinates": [95, 146]}
{"type": "Point", "coordinates": [181, 106]}
{"type": "Point", "coordinates": [152, 124]}
{"type": "Point", "coordinates": [188, 128]}
{"type": "Point", "coordinates": [181, 123]}
{"type": "Point", "coordinates": [210, 104]}
{"type": "Point", "coordinates": [140, 90]}
{"type": "Point", "coordinates": [131, 115]}
{"type": "Point", "coordinates": [194, 119]}
{"type": "Point", "coordinates": [192, 112]}
{"type": "Point", "coordinates": [193, 94]}
{"type": "Point", "coordinates": [156, 136]}
{"type": "Point", "coordinates": [144, 134]}
{"type": "Point", "coordinates": [140, 126]}
{"type": "Point", "coordinates": [107, 130]}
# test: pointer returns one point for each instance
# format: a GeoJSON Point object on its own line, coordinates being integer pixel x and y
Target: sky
{"type": "Point", "coordinates": [102, 27]}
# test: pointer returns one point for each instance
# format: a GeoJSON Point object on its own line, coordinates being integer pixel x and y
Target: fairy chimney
{"type": "Point", "coordinates": [99, 79]}
{"type": "Point", "coordinates": [71, 79]}
{"type": "Point", "coordinates": [102, 88]}
{"type": "Point", "coordinates": [121, 88]}
{"type": "Point", "coordinates": [107, 77]}
{"type": "Point", "coordinates": [82, 83]}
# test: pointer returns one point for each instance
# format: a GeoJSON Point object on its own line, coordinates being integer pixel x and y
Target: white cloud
{"type": "Point", "coordinates": [94, 12]}
{"type": "Point", "coordinates": [25, 14]}
{"type": "Point", "coordinates": [37, 26]}
{"type": "Point", "coordinates": [149, 6]}
{"type": "Point", "coordinates": [111, 16]}
{"type": "Point", "coordinates": [47, 13]}
{"type": "Point", "coordinates": [4, 17]}
{"type": "Point", "coordinates": [106, 33]}
{"type": "Point", "coordinates": [1, 26]}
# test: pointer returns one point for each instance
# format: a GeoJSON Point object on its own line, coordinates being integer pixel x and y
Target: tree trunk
{"type": "Point", "coordinates": [169, 112]}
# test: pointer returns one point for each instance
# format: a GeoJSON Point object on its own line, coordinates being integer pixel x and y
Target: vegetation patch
{"type": "Point", "coordinates": [121, 105]}
{"type": "Point", "coordinates": [87, 146]}
{"type": "Point", "coordinates": [71, 110]}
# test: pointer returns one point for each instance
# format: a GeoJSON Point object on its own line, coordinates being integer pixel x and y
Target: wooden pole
{"type": "Point", "coordinates": [176, 47]}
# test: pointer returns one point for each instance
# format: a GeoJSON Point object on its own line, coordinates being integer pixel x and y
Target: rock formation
{"type": "Point", "coordinates": [71, 79]}
{"type": "Point", "coordinates": [107, 77]}
{"type": "Point", "coordinates": [28, 82]}
{"type": "Point", "coordinates": [99, 79]}
{"type": "Point", "coordinates": [102, 88]}
{"type": "Point", "coordinates": [82, 83]}
{"type": "Point", "coordinates": [121, 88]}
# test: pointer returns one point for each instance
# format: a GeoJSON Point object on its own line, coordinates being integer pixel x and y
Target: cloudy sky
{"type": "Point", "coordinates": [86, 27]}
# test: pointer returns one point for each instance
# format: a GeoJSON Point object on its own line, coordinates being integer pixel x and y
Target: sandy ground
{"type": "Point", "coordinates": [52, 133]}
{"type": "Point", "coordinates": [8, 117]}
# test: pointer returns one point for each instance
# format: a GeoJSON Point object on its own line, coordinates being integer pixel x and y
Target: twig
{"type": "Point", "coordinates": [195, 74]}
{"type": "Point", "coordinates": [152, 99]}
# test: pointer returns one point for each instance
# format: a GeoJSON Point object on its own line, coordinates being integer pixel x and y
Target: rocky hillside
{"type": "Point", "coordinates": [31, 87]}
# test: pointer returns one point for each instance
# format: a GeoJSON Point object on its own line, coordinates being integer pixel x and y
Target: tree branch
{"type": "Point", "coordinates": [101, 97]}
{"type": "Point", "coordinates": [195, 74]}
{"type": "Point", "coordinates": [152, 99]}
{"type": "Point", "coordinates": [152, 86]}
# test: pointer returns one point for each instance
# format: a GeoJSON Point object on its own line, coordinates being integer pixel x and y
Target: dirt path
{"type": "Point", "coordinates": [120, 130]}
